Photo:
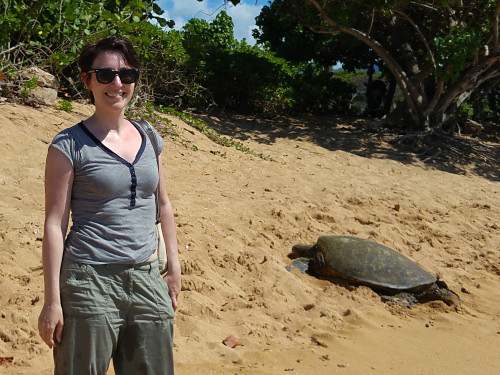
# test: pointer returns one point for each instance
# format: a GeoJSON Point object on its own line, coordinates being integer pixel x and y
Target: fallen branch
{"type": "Point", "coordinates": [432, 157]}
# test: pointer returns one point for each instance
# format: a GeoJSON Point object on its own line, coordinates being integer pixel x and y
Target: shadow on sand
{"type": "Point", "coordinates": [364, 138]}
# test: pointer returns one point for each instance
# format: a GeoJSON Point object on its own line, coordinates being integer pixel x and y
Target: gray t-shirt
{"type": "Point", "coordinates": [112, 203]}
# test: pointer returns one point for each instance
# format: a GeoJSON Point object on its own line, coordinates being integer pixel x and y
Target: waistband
{"type": "Point", "coordinates": [117, 267]}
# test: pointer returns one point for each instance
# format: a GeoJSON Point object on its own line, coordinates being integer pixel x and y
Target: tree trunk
{"type": "Point", "coordinates": [447, 98]}
{"type": "Point", "coordinates": [389, 97]}
{"type": "Point", "coordinates": [488, 68]}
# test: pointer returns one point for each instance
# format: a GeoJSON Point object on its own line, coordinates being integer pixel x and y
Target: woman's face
{"type": "Point", "coordinates": [116, 94]}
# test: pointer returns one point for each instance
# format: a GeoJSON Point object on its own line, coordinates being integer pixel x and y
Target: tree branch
{"type": "Point", "coordinates": [9, 50]}
{"type": "Point", "coordinates": [418, 3]}
{"type": "Point", "coordinates": [410, 92]}
{"type": "Point", "coordinates": [495, 27]}
{"type": "Point", "coordinates": [487, 68]}
{"type": "Point", "coordinates": [420, 34]}
{"type": "Point", "coordinates": [435, 98]}
{"type": "Point", "coordinates": [372, 21]}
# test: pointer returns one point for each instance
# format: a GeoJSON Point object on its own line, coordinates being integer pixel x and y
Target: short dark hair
{"type": "Point", "coordinates": [111, 43]}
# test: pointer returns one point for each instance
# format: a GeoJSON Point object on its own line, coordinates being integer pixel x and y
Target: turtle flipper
{"type": "Point", "coordinates": [403, 298]}
{"type": "Point", "coordinates": [301, 255]}
{"type": "Point", "coordinates": [302, 264]}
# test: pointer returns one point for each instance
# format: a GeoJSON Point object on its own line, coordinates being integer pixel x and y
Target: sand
{"type": "Point", "coordinates": [238, 217]}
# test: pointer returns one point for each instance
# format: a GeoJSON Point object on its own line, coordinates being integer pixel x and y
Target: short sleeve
{"type": "Point", "coordinates": [159, 139]}
{"type": "Point", "coordinates": [64, 142]}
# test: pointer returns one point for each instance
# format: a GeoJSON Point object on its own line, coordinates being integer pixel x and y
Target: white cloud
{"type": "Point", "coordinates": [190, 8]}
{"type": "Point", "coordinates": [243, 15]}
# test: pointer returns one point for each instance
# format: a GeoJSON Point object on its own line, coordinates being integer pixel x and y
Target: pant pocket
{"type": "Point", "coordinates": [159, 291]}
{"type": "Point", "coordinates": [83, 293]}
{"type": "Point", "coordinates": [165, 306]}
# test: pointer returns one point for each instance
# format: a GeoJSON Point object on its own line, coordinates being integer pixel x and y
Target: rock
{"type": "Point", "coordinates": [44, 95]}
{"type": "Point", "coordinates": [44, 79]}
{"type": "Point", "coordinates": [232, 341]}
{"type": "Point", "coordinates": [47, 86]}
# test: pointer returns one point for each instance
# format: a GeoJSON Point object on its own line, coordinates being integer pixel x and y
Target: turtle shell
{"type": "Point", "coordinates": [369, 263]}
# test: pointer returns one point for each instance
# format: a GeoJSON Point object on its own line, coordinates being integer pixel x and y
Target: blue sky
{"type": "Point", "coordinates": [243, 15]}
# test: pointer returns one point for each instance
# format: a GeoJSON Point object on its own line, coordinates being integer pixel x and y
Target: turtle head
{"type": "Point", "coordinates": [301, 250]}
{"type": "Point", "coordinates": [439, 291]}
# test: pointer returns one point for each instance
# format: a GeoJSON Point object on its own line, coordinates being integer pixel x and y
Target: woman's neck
{"type": "Point", "coordinates": [107, 120]}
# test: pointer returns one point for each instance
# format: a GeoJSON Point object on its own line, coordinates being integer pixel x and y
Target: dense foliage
{"type": "Point", "coordinates": [51, 33]}
{"type": "Point", "coordinates": [249, 79]}
{"type": "Point", "coordinates": [200, 67]}
{"type": "Point", "coordinates": [441, 53]}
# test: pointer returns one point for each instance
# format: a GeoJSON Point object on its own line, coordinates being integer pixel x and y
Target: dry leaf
{"type": "Point", "coordinates": [5, 360]}
{"type": "Point", "coordinates": [231, 341]}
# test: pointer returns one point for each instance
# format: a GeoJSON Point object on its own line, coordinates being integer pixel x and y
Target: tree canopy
{"type": "Point", "coordinates": [444, 55]}
{"type": "Point", "coordinates": [439, 52]}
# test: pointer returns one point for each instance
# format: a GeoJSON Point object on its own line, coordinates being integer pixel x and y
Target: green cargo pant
{"type": "Point", "coordinates": [119, 312]}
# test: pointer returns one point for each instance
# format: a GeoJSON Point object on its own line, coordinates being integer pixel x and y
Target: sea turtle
{"type": "Point", "coordinates": [365, 262]}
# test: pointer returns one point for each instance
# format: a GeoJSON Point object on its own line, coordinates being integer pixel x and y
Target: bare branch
{"type": "Point", "coordinates": [423, 74]}
{"type": "Point", "coordinates": [321, 29]}
{"type": "Point", "coordinates": [372, 21]}
{"type": "Point", "coordinates": [418, 3]}
{"type": "Point", "coordinates": [420, 34]}
{"type": "Point", "coordinates": [433, 156]}
{"type": "Point", "coordinates": [435, 98]}
{"type": "Point", "coordinates": [9, 50]}
{"type": "Point", "coordinates": [495, 27]}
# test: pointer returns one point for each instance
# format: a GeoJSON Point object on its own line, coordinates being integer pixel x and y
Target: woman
{"type": "Point", "coordinates": [104, 295]}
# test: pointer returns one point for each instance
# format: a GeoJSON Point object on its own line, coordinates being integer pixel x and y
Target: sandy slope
{"type": "Point", "coordinates": [238, 217]}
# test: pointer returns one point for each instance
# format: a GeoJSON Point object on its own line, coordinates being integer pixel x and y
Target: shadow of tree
{"type": "Point", "coordinates": [363, 137]}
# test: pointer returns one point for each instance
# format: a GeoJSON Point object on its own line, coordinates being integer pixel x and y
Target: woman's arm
{"type": "Point", "coordinates": [58, 185]}
{"type": "Point", "coordinates": [173, 277]}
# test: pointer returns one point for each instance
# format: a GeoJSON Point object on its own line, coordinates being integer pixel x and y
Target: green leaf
{"type": "Point", "coordinates": [162, 21]}
{"type": "Point", "coordinates": [156, 9]}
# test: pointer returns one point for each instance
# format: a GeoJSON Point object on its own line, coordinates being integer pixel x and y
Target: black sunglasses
{"type": "Point", "coordinates": [106, 75]}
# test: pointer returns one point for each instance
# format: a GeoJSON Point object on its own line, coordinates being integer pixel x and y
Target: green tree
{"type": "Point", "coordinates": [439, 52]}
{"type": "Point", "coordinates": [50, 33]}
{"type": "Point", "coordinates": [169, 77]}
{"type": "Point", "coordinates": [248, 79]}
{"type": "Point", "coordinates": [239, 77]}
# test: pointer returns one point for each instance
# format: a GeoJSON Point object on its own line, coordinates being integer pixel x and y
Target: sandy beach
{"type": "Point", "coordinates": [238, 217]}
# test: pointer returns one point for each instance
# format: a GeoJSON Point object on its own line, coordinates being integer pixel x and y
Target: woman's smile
{"type": "Point", "coordinates": [115, 94]}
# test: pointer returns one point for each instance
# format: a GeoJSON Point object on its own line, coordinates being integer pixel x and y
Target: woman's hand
{"type": "Point", "coordinates": [50, 324]}
{"type": "Point", "coordinates": [173, 280]}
